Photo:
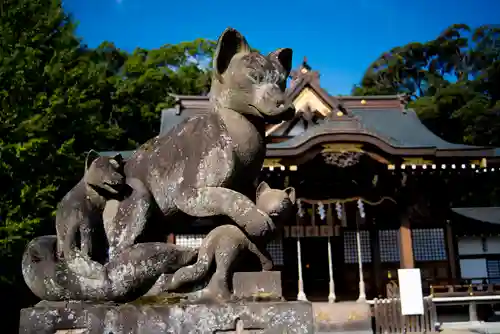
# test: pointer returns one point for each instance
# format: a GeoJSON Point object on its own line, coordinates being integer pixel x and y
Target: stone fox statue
{"type": "Point", "coordinates": [124, 278]}
{"type": "Point", "coordinates": [224, 243]}
{"type": "Point", "coordinates": [206, 165]}
{"type": "Point", "coordinates": [82, 208]}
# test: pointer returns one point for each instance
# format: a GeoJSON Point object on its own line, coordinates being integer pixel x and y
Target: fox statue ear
{"type": "Point", "coordinates": [230, 43]}
{"type": "Point", "coordinates": [118, 158]}
{"type": "Point", "coordinates": [290, 191]}
{"type": "Point", "coordinates": [263, 186]}
{"type": "Point", "coordinates": [89, 161]}
{"type": "Point", "coordinates": [284, 57]}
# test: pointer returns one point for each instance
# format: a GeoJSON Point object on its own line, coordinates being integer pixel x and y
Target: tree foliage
{"type": "Point", "coordinates": [453, 81]}
{"type": "Point", "coordinates": [60, 98]}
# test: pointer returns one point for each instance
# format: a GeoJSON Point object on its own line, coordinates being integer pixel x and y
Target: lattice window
{"type": "Point", "coordinates": [350, 247]}
{"type": "Point", "coordinates": [429, 244]}
{"type": "Point", "coordinates": [389, 245]}
{"type": "Point", "coordinates": [493, 268]}
{"type": "Point", "coordinates": [275, 248]}
{"type": "Point", "coordinates": [189, 240]}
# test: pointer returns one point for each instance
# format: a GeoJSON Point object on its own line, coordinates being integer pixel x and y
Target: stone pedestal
{"type": "Point", "coordinates": [343, 317]}
{"type": "Point", "coordinates": [248, 317]}
{"type": "Point", "coordinates": [255, 284]}
{"type": "Point", "coordinates": [266, 284]}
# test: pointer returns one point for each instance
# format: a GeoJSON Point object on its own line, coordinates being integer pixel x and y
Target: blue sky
{"type": "Point", "coordinates": [339, 37]}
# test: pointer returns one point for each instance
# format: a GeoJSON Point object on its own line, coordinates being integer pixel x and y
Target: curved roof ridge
{"type": "Point", "coordinates": [406, 126]}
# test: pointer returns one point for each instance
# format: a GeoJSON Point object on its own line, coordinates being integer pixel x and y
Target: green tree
{"type": "Point", "coordinates": [144, 84]}
{"type": "Point", "coordinates": [453, 81]}
{"type": "Point", "coordinates": [36, 43]}
{"type": "Point", "coordinates": [58, 99]}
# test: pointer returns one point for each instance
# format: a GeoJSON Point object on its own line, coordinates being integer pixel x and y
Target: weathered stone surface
{"type": "Point", "coordinates": [206, 166]}
{"type": "Point", "coordinates": [265, 318]}
{"type": "Point", "coordinates": [224, 244]}
{"type": "Point", "coordinates": [124, 278]}
{"type": "Point", "coordinates": [343, 317]}
{"type": "Point", "coordinates": [251, 284]}
{"type": "Point", "coordinates": [82, 207]}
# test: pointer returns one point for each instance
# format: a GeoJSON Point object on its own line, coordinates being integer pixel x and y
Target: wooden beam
{"type": "Point", "coordinates": [272, 163]}
{"type": "Point", "coordinates": [342, 147]}
{"type": "Point", "coordinates": [406, 246]}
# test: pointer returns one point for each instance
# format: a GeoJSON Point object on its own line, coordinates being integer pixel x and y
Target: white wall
{"type": "Point", "coordinates": [475, 246]}
{"type": "Point", "coordinates": [472, 268]}
{"type": "Point", "coordinates": [493, 245]}
{"type": "Point", "coordinates": [470, 246]}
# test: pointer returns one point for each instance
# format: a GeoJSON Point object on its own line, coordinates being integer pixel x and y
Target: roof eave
{"type": "Point", "coordinates": [309, 142]}
{"type": "Point", "coordinates": [369, 97]}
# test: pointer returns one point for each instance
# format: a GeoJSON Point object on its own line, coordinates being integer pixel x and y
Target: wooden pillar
{"type": "Point", "coordinates": [450, 244]}
{"type": "Point", "coordinates": [406, 245]}
{"type": "Point", "coordinates": [171, 238]}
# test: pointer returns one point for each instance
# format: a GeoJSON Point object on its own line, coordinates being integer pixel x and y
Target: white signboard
{"type": "Point", "coordinates": [410, 291]}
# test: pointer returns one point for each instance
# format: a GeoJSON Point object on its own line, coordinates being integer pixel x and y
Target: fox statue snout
{"type": "Point", "coordinates": [283, 112]}
{"type": "Point", "coordinates": [250, 83]}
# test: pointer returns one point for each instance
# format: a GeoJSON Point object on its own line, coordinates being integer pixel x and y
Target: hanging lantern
{"type": "Point", "coordinates": [361, 208]}
{"type": "Point", "coordinates": [321, 211]}
{"type": "Point", "coordinates": [300, 209]}
{"type": "Point", "coordinates": [338, 208]}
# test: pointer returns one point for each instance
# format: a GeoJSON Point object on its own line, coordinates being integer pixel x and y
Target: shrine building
{"type": "Point", "coordinates": [377, 191]}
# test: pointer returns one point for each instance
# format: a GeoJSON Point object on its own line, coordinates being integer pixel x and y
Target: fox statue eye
{"type": "Point", "coordinates": [255, 76]}
{"type": "Point", "coordinates": [114, 163]}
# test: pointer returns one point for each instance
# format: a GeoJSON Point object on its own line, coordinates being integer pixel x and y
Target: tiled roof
{"type": "Point", "coordinates": [401, 129]}
{"type": "Point", "coordinates": [170, 118]}
{"type": "Point", "coordinates": [396, 128]}
{"type": "Point", "coordinates": [482, 214]}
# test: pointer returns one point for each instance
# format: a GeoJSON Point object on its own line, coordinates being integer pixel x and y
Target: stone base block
{"type": "Point", "coordinates": [343, 317]}
{"type": "Point", "coordinates": [248, 317]}
{"type": "Point", "coordinates": [252, 284]}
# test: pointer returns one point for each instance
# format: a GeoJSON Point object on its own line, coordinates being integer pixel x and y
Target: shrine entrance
{"type": "Point", "coordinates": [315, 268]}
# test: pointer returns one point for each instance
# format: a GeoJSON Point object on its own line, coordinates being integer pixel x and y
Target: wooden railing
{"type": "Point", "coordinates": [465, 287]}
{"type": "Point", "coordinates": [388, 317]}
